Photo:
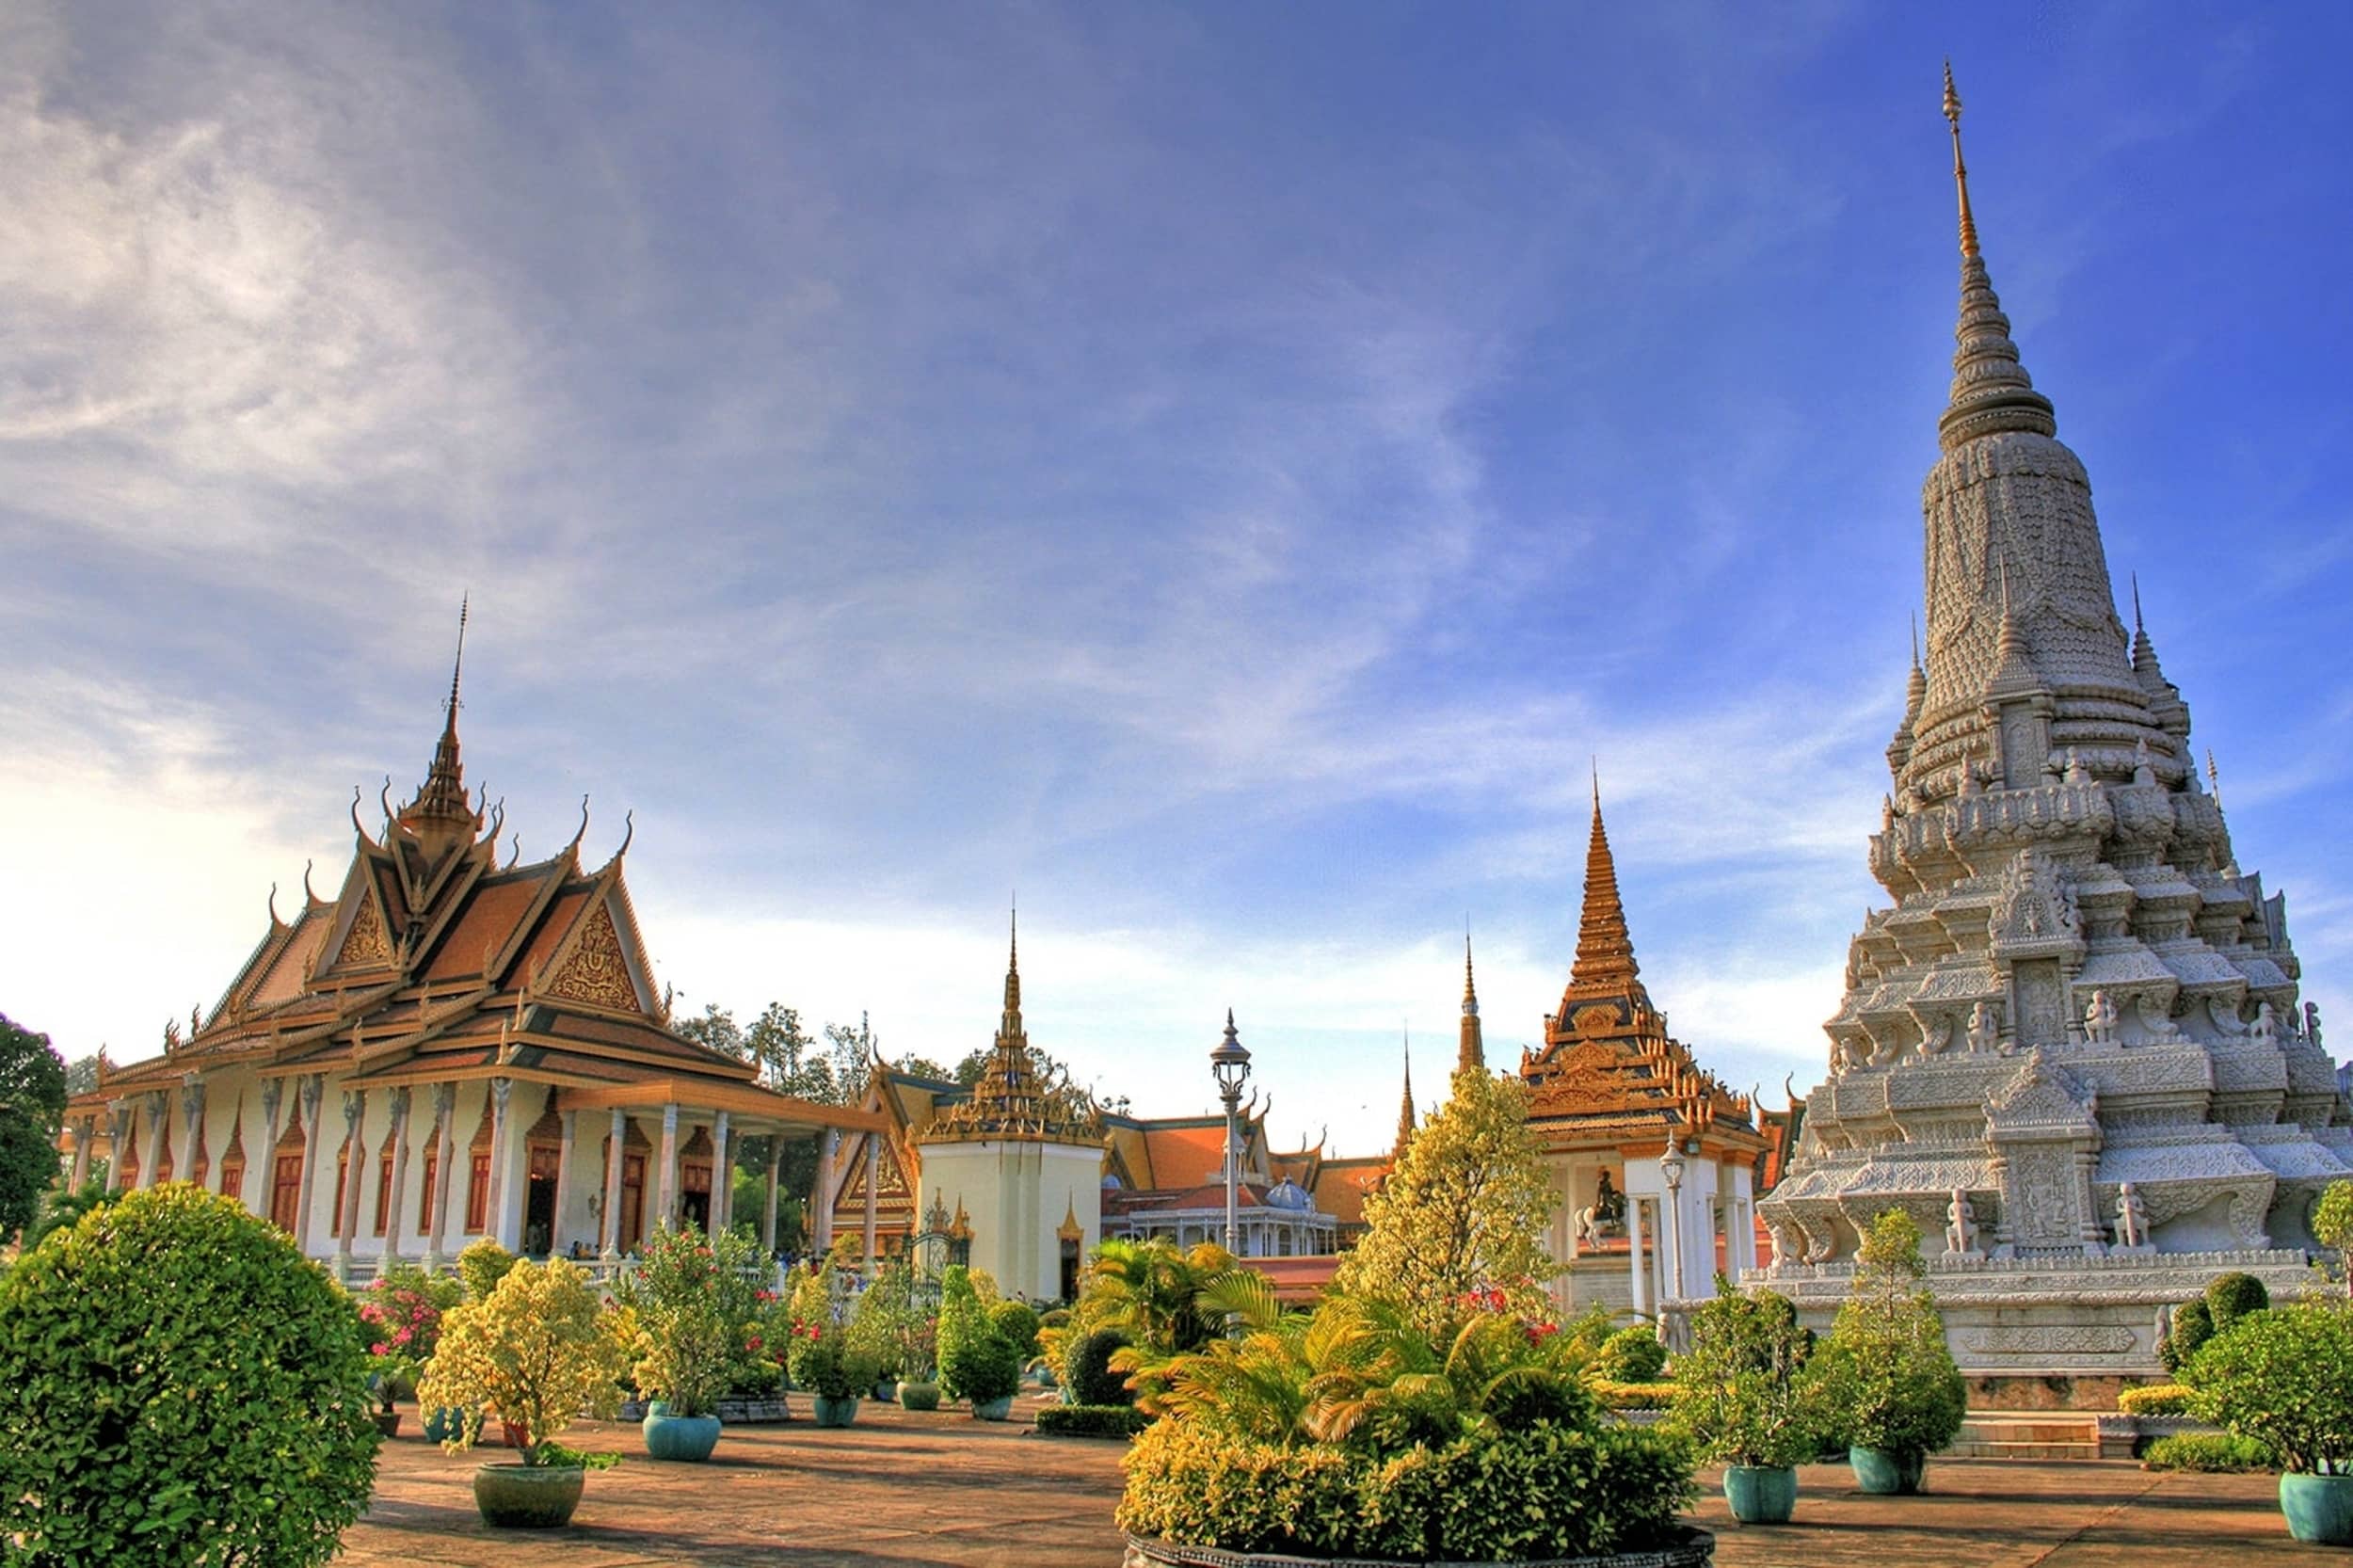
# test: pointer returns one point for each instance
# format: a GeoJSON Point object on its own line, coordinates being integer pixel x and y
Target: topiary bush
{"type": "Point", "coordinates": [2192, 1326]}
{"type": "Point", "coordinates": [2209, 1452]}
{"type": "Point", "coordinates": [2232, 1296]}
{"type": "Point", "coordinates": [976, 1362]}
{"type": "Point", "coordinates": [2284, 1378]}
{"type": "Point", "coordinates": [1086, 1370]}
{"type": "Point", "coordinates": [179, 1385]}
{"type": "Point", "coordinates": [481, 1266]}
{"type": "Point", "coordinates": [1018, 1323]}
{"type": "Point", "coordinates": [1630, 1355]}
{"type": "Point", "coordinates": [2154, 1398]}
{"type": "Point", "coordinates": [1092, 1420]}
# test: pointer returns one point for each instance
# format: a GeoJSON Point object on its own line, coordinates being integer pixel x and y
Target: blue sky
{"type": "Point", "coordinates": [1222, 471]}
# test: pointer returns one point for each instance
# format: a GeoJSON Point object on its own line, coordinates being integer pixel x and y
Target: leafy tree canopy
{"type": "Point", "coordinates": [32, 1109]}
{"type": "Point", "coordinates": [1463, 1210]}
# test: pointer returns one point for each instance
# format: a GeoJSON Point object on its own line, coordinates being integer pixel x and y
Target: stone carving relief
{"type": "Point", "coordinates": [2149, 1009]}
{"type": "Point", "coordinates": [2033, 908]}
{"type": "Point", "coordinates": [2099, 1020]}
{"type": "Point", "coordinates": [1984, 1032]}
{"type": "Point", "coordinates": [597, 972]}
{"type": "Point", "coordinates": [1960, 1225]}
{"type": "Point", "coordinates": [2050, 1339]}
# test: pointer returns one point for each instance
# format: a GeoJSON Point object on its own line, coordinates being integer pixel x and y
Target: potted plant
{"type": "Point", "coordinates": [536, 1351]}
{"type": "Point", "coordinates": [402, 1310]}
{"type": "Point", "coordinates": [1745, 1402]}
{"type": "Point", "coordinates": [825, 1358]}
{"type": "Point", "coordinates": [977, 1363]}
{"type": "Point", "coordinates": [2284, 1378]}
{"type": "Point", "coordinates": [1885, 1366]}
{"type": "Point", "coordinates": [391, 1373]}
{"type": "Point", "coordinates": [877, 1327]}
{"type": "Point", "coordinates": [681, 1325]}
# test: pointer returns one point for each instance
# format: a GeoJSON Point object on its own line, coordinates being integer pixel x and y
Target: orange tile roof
{"type": "Point", "coordinates": [487, 925]}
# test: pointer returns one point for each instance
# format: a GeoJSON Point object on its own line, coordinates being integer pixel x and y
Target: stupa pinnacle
{"type": "Point", "coordinates": [2074, 1047]}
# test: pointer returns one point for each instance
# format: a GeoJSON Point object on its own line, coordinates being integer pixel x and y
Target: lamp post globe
{"type": "Point", "coordinates": [1229, 1064]}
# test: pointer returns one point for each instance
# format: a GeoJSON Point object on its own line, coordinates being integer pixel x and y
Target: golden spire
{"type": "Point", "coordinates": [1405, 1109]}
{"type": "Point", "coordinates": [1474, 1048]}
{"type": "Point", "coordinates": [440, 803]}
{"type": "Point", "coordinates": [1961, 170]}
{"type": "Point", "coordinates": [1605, 952]}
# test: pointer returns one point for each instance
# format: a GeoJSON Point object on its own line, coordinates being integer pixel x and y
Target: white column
{"type": "Point", "coordinates": [563, 1183]}
{"type": "Point", "coordinates": [156, 1105]}
{"type": "Point", "coordinates": [355, 1163]}
{"type": "Point", "coordinates": [395, 1205]}
{"type": "Point", "coordinates": [313, 1091]}
{"type": "Point", "coordinates": [261, 1172]}
{"type": "Point", "coordinates": [768, 1214]}
{"type": "Point", "coordinates": [615, 1148]}
{"type": "Point", "coordinates": [83, 1130]}
{"type": "Point", "coordinates": [722, 1174]}
{"type": "Point", "coordinates": [821, 1193]}
{"type": "Point", "coordinates": [118, 1124]}
{"type": "Point", "coordinates": [497, 1227]}
{"type": "Point", "coordinates": [444, 1172]}
{"type": "Point", "coordinates": [192, 1117]}
{"type": "Point", "coordinates": [873, 1182]}
{"type": "Point", "coordinates": [1634, 1236]}
{"type": "Point", "coordinates": [667, 1211]}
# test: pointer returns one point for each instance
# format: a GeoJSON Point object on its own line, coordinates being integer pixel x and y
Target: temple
{"type": "Point", "coordinates": [2073, 1047]}
{"type": "Point", "coordinates": [1655, 1160]}
{"type": "Point", "coordinates": [492, 1038]}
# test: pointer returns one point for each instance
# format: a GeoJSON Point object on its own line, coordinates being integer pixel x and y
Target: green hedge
{"type": "Point", "coordinates": [1086, 1370]}
{"type": "Point", "coordinates": [2154, 1398]}
{"type": "Point", "coordinates": [178, 1384]}
{"type": "Point", "coordinates": [1548, 1491]}
{"type": "Point", "coordinates": [1633, 1396]}
{"type": "Point", "coordinates": [1092, 1420]}
{"type": "Point", "coordinates": [2208, 1452]}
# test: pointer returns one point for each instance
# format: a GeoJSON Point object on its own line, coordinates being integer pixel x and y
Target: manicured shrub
{"type": "Point", "coordinates": [825, 1357]}
{"type": "Point", "coordinates": [2155, 1398]}
{"type": "Point", "coordinates": [538, 1350]}
{"type": "Point", "coordinates": [1086, 1370]}
{"type": "Point", "coordinates": [1630, 1355]}
{"type": "Point", "coordinates": [2284, 1378]}
{"type": "Point", "coordinates": [1092, 1420]}
{"type": "Point", "coordinates": [178, 1384]}
{"type": "Point", "coordinates": [1746, 1397]}
{"type": "Point", "coordinates": [1887, 1372]}
{"type": "Point", "coordinates": [976, 1363]}
{"type": "Point", "coordinates": [2193, 1325]}
{"type": "Point", "coordinates": [918, 1396]}
{"type": "Point", "coordinates": [481, 1266]}
{"type": "Point", "coordinates": [1634, 1396]}
{"type": "Point", "coordinates": [2211, 1452]}
{"type": "Point", "coordinates": [1018, 1323]}
{"type": "Point", "coordinates": [2232, 1296]}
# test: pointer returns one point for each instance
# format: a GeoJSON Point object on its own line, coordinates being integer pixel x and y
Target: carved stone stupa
{"type": "Point", "coordinates": [2072, 1050]}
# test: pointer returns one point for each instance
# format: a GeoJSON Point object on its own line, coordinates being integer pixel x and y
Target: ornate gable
{"type": "Point", "coordinates": [596, 969]}
{"type": "Point", "coordinates": [2039, 1095]}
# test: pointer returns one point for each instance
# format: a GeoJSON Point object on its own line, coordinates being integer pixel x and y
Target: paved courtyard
{"type": "Point", "coordinates": [944, 1489]}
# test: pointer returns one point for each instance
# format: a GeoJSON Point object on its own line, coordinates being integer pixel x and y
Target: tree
{"type": "Point", "coordinates": [715, 1030]}
{"type": "Point", "coordinates": [1462, 1211]}
{"type": "Point", "coordinates": [777, 1041]}
{"type": "Point", "coordinates": [1885, 1366]}
{"type": "Point", "coordinates": [81, 1076]}
{"type": "Point", "coordinates": [2332, 1226]}
{"type": "Point", "coordinates": [32, 1110]}
{"type": "Point", "coordinates": [923, 1066]}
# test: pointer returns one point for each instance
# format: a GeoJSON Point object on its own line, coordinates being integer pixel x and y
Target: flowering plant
{"type": "Point", "coordinates": [695, 1303]}
{"type": "Point", "coordinates": [823, 1356]}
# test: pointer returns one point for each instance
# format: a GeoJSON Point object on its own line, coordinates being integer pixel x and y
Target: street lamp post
{"type": "Point", "coordinates": [1230, 1063]}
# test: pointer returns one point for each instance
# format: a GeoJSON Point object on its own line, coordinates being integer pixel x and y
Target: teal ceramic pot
{"type": "Point", "coordinates": [834, 1413]}
{"type": "Point", "coordinates": [886, 1390]}
{"type": "Point", "coordinates": [992, 1410]}
{"type": "Point", "coordinates": [2319, 1509]}
{"type": "Point", "coordinates": [1887, 1475]}
{"type": "Point", "coordinates": [918, 1396]}
{"type": "Point", "coordinates": [443, 1422]}
{"type": "Point", "coordinates": [682, 1439]}
{"type": "Point", "coordinates": [527, 1496]}
{"type": "Point", "coordinates": [1761, 1493]}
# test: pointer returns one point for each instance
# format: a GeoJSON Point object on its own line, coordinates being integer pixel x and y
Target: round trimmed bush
{"type": "Point", "coordinates": [2193, 1325]}
{"type": "Point", "coordinates": [1631, 1355]}
{"type": "Point", "coordinates": [1018, 1323]}
{"type": "Point", "coordinates": [179, 1385]}
{"type": "Point", "coordinates": [1086, 1370]}
{"type": "Point", "coordinates": [2232, 1296]}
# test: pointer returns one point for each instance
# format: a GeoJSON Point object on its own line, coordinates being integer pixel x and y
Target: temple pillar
{"type": "Point", "coordinates": [119, 1139]}
{"type": "Point", "coordinates": [313, 1091]}
{"type": "Point", "coordinates": [563, 1182]}
{"type": "Point", "coordinates": [497, 1221]}
{"type": "Point", "coordinates": [616, 1145]}
{"type": "Point", "coordinates": [874, 1194]}
{"type": "Point", "coordinates": [192, 1119]}
{"type": "Point", "coordinates": [355, 1163]}
{"type": "Point", "coordinates": [768, 1211]}
{"type": "Point", "coordinates": [260, 1175]}
{"type": "Point", "coordinates": [666, 1210]}
{"type": "Point", "coordinates": [83, 1130]}
{"type": "Point", "coordinates": [722, 1174]}
{"type": "Point", "coordinates": [394, 1204]}
{"type": "Point", "coordinates": [821, 1193]}
{"type": "Point", "coordinates": [444, 1172]}
{"type": "Point", "coordinates": [1634, 1241]}
{"type": "Point", "coordinates": [154, 1105]}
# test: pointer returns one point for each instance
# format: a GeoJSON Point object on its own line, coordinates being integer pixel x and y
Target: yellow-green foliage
{"type": "Point", "coordinates": [536, 1351]}
{"type": "Point", "coordinates": [2212, 1452]}
{"type": "Point", "coordinates": [2155, 1398]}
{"type": "Point", "coordinates": [1633, 1396]}
{"type": "Point", "coordinates": [1464, 1211]}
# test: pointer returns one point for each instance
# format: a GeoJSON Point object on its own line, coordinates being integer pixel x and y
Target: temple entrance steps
{"type": "Point", "coordinates": [2039, 1434]}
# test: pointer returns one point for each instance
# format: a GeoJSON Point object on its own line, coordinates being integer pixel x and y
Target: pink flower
{"type": "Point", "coordinates": [752, 1343]}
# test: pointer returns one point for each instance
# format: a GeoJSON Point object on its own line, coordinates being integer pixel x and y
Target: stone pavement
{"type": "Point", "coordinates": [900, 1488]}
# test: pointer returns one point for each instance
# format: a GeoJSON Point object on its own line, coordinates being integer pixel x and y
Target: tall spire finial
{"type": "Point", "coordinates": [442, 809]}
{"type": "Point", "coordinates": [2214, 778]}
{"type": "Point", "coordinates": [457, 665]}
{"type": "Point", "coordinates": [2139, 629]}
{"type": "Point", "coordinates": [1916, 639]}
{"type": "Point", "coordinates": [1605, 952]}
{"type": "Point", "coordinates": [1473, 1052]}
{"type": "Point", "coordinates": [1012, 975]}
{"type": "Point", "coordinates": [1405, 1109]}
{"type": "Point", "coordinates": [1961, 170]}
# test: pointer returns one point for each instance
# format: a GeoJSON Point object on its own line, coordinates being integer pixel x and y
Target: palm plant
{"type": "Point", "coordinates": [1172, 1303]}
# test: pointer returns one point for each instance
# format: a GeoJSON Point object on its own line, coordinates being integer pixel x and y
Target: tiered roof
{"type": "Point", "coordinates": [1016, 1099]}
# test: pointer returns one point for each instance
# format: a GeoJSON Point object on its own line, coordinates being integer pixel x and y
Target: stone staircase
{"type": "Point", "coordinates": [2027, 1435]}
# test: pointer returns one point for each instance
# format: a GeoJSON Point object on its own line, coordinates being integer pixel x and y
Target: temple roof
{"type": "Point", "coordinates": [1609, 1065]}
{"type": "Point", "coordinates": [1016, 1099]}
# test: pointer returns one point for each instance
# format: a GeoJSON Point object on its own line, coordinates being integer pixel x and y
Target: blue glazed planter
{"type": "Point", "coordinates": [1761, 1495]}
{"type": "Point", "coordinates": [1887, 1475]}
{"type": "Point", "coordinates": [992, 1410]}
{"type": "Point", "coordinates": [833, 1413]}
{"type": "Point", "coordinates": [682, 1439]}
{"type": "Point", "coordinates": [2319, 1509]}
{"type": "Point", "coordinates": [443, 1422]}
